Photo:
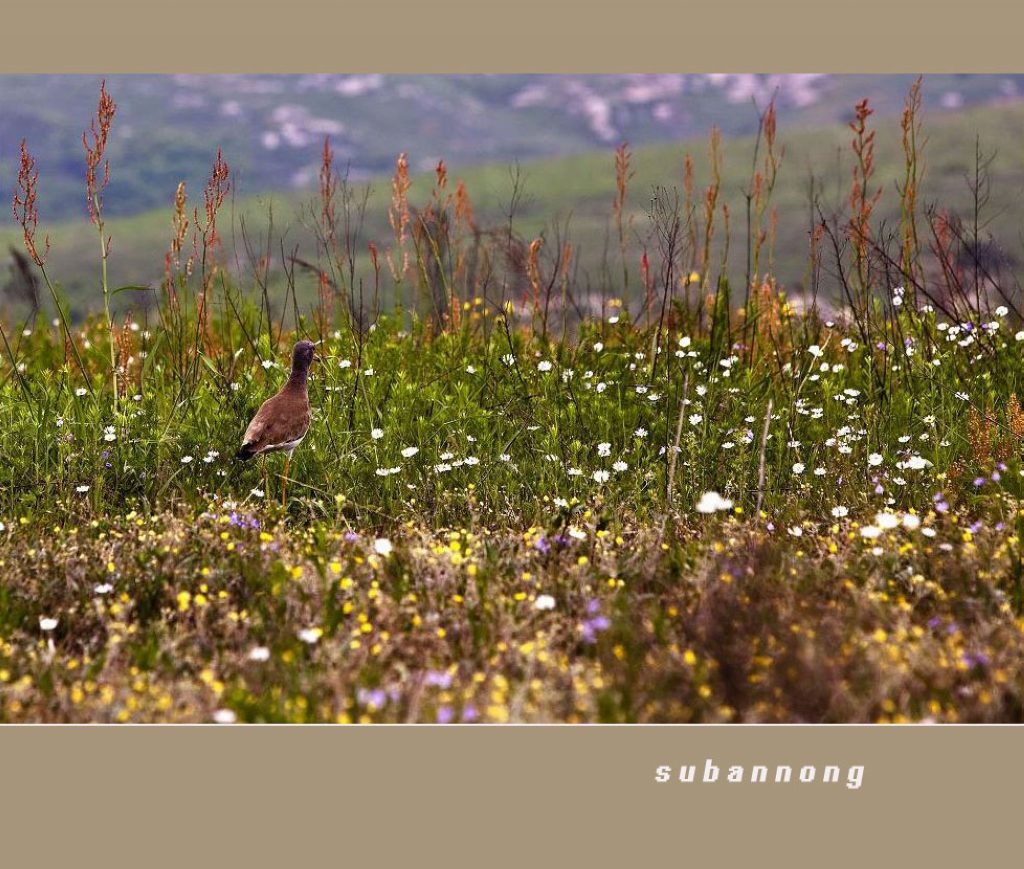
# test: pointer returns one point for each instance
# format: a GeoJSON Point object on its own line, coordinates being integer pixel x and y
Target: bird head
{"type": "Point", "coordinates": [302, 355]}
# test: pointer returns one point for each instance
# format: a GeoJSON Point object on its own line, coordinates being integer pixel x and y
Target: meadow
{"type": "Point", "coordinates": [666, 491]}
{"type": "Point", "coordinates": [572, 196]}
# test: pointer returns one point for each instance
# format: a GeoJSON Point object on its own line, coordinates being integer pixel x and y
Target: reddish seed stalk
{"type": "Point", "coordinates": [862, 199]}
{"type": "Point", "coordinates": [328, 188]}
{"type": "Point", "coordinates": [399, 217]}
{"type": "Point", "coordinates": [24, 206]}
{"type": "Point", "coordinates": [623, 174]}
{"type": "Point", "coordinates": [94, 140]}
{"type": "Point", "coordinates": [26, 213]}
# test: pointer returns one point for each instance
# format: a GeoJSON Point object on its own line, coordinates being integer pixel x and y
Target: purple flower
{"type": "Point", "coordinates": [438, 679]}
{"type": "Point", "coordinates": [469, 713]}
{"type": "Point", "coordinates": [542, 545]}
{"type": "Point", "coordinates": [975, 659]}
{"type": "Point", "coordinates": [445, 715]}
{"type": "Point", "coordinates": [375, 697]}
{"type": "Point", "coordinates": [592, 627]}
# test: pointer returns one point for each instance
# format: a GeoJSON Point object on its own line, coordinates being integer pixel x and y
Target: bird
{"type": "Point", "coordinates": [283, 419]}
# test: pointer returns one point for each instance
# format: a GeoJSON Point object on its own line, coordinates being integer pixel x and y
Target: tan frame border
{"type": "Point", "coordinates": [504, 796]}
{"type": "Point", "coordinates": [414, 36]}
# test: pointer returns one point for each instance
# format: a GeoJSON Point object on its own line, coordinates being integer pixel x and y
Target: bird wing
{"type": "Point", "coordinates": [282, 419]}
{"type": "Point", "coordinates": [256, 427]}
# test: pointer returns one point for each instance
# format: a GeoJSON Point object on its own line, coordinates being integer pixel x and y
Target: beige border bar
{"type": "Point", "coordinates": [495, 796]}
{"type": "Point", "coordinates": [565, 797]}
{"type": "Point", "coordinates": [108, 36]}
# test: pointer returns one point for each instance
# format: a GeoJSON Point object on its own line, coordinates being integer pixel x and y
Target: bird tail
{"type": "Point", "coordinates": [245, 453]}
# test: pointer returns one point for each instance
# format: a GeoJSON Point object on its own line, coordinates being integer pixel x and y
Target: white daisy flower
{"type": "Point", "coordinates": [311, 635]}
{"type": "Point", "coordinates": [887, 521]}
{"type": "Point", "coordinates": [712, 502]}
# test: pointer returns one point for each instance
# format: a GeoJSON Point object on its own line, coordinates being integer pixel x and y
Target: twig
{"type": "Point", "coordinates": [760, 462]}
{"type": "Point", "coordinates": [679, 435]}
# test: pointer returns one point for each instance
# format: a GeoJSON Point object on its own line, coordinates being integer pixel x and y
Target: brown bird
{"type": "Point", "coordinates": [282, 420]}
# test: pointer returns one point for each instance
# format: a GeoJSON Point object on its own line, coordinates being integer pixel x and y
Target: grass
{"type": "Point", "coordinates": [512, 506]}
{"type": "Point", "coordinates": [580, 190]}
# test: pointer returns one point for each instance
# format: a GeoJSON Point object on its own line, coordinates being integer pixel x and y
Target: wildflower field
{"type": "Point", "coordinates": [665, 493]}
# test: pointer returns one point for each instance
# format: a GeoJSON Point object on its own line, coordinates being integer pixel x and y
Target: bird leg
{"type": "Point", "coordinates": [284, 482]}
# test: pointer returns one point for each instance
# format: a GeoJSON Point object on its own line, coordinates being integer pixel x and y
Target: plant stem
{"type": "Point", "coordinates": [106, 302]}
